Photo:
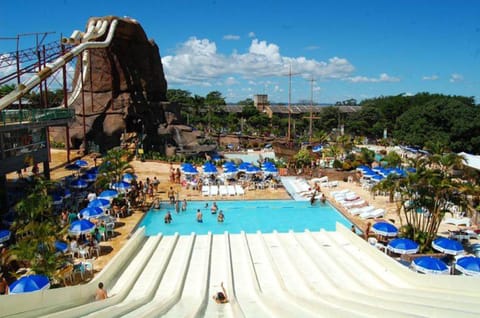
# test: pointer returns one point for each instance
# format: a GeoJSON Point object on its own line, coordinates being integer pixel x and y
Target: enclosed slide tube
{"type": "Point", "coordinates": [95, 29]}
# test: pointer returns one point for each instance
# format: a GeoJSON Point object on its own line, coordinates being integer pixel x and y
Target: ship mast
{"type": "Point", "coordinates": [289, 103]}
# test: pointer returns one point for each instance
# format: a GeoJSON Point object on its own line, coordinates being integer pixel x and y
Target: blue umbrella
{"type": "Point", "coordinates": [66, 193]}
{"type": "Point", "coordinates": [82, 226]}
{"type": "Point", "coordinates": [100, 203]}
{"type": "Point", "coordinates": [4, 235]}
{"type": "Point", "coordinates": [317, 148]}
{"type": "Point", "coordinates": [230, 170]}
{"type": "Point", "coordinates": [270, 170]}
{"type": "Point", "coordinates": [209, 168]}
{"type": "Point", "coordinates": [61, 246]}
{"type": "Point", "coordinates": [108, 194]}
{"type": "Point", "coordinates": [89, 177]}
{"type": "Point", "coordinates": [190, 170]}
{"type": "Point", "coordinates": [403, 246]}
{"type": "Point", "coordinates": [91, 212]}
{"type": "Point", "coordinates": [229, 164]}
{"type": "Point", "coordinates": [128, 177]}
{"type": "Point", "coordinates": [121, 186]}
{"type": "Point", "coordinates": [430, 265]}
{"type": "Point", "coordinates": [28, 284]}
{"type": "Point", "coordinates": [448, 246]}
{"type": "Point", "coordinates": [81, 163]}
{"type": "Point", "coordinates": [73, 167]}
{"type": "Point", "coordinates": [252, 169]}
{"type": "Point", "coordinates": [93, 170]}
{"type": "Point", "coordinates": [78, 184]}
{"type": "Point", "coordinates": [469, 265]}
{"type": "Point", "coordinates": [385, 229]}
{"type": "Point", "coordinates": [243, 166]}
{"type": "Point", "coordinates": [56, 199]}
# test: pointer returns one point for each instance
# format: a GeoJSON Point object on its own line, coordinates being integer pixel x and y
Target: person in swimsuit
{"type": "Point", "coordinates": [168, 218]}
{"type": "Point", "coordinates": [3, 285]}
{"type": "Point", "coordinates": [221, 296]}
{"type": "Point", "coordinates": [214, 208]}
{"type": "Point", "coordinates": [220, 217]}
{"type": "Point", "coordinates": [199, 216]}
{"type": "Point", "coordinates": [101, 293]}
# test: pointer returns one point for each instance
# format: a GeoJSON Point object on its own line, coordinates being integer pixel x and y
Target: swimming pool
{"type": "Point", "coordinates": [249, 216]}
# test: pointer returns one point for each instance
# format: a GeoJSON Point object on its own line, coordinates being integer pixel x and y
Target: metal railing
{"type": "Point", "coordinates": [15, 116]}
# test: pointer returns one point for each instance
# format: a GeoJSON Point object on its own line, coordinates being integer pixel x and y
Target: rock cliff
{"type": "Point", "coordinates": [124, 90]}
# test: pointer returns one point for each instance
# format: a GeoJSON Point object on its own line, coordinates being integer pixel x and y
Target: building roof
{"type": "Point", "coordinates": [295, 109]}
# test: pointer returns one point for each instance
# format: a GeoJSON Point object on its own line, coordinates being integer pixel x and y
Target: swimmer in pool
{"type": "Point", "coordinates": [199, 216]}
{"type": "Point", "coordinates": [168, 218]}
{"type": "Point", "coordinates": [220, 217]}
{"type": "Point", "coordinates": [214, 208]}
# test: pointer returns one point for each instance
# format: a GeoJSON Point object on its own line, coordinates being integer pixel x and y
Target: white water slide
{"type": "Point", "coordinates": [96, 28]}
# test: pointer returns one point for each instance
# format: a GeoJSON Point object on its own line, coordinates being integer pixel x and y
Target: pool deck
{"type": "Point", "coordinates": [344, 277]}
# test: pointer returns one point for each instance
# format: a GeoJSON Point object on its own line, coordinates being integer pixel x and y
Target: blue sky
{"type": "Point", "coordinates": [352, 49]}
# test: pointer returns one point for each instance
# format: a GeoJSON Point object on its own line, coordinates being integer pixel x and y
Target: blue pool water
{"type": "Point", "coordinates": [249, 216]}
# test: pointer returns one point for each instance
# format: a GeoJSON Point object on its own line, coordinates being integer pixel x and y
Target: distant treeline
{"type": "Point", "coordinates": [423, 120]}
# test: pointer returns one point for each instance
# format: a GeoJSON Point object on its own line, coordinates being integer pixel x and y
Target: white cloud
{"type": "Point", "coordinates": [455, 78]}
{"type": "Point", "coordinates": [251, 34]}
{"type": "Point", "coordinates": [382, 78]}
{"type": "Point", "coordinates": [232, 37]}
{"type": "Point", "coordinates": [6, 59]}
{"type": "Point", "coordinates": [430, 78]}
{"type": "Point", "coordinates": [231, 81]}
{"type": "Point", "coordinates": [197, 61]}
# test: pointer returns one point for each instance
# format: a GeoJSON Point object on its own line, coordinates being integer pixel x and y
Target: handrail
{"type": "Point", "coordinates": [51, 68]}
{"type": "Point", "coordinates": [19, 116]}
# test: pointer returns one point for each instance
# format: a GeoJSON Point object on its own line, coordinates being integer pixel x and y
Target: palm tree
{"type": "Point", "coordinates": [115, 164]}
{"type": "Point", "coordinates": [37, 229]}
{"type": "Point", "coordinates": [425, 196]}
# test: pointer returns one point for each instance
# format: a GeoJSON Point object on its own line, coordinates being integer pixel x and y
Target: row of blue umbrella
{"type": "Point", "coordinates": [228, 168]}
{"type": "Point", "coordinates": [427, 264]}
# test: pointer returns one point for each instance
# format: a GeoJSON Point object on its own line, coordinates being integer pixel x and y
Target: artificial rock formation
{"type": "Point", "coordinates": [124, 90]}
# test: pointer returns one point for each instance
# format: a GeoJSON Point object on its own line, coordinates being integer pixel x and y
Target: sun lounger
{"type": "Point", "coordinates": [213, 190]}
{"type": "Point", "coordinates": [206, 190]}
{"type": "Point", "coordinates": [239, 190]}
{"type": "Point", "coordinates": [344, 191]}
{"type": "Point", "coordinates": [352, 204]}
{"type": "Point", "coordinates": [463, 221]}
{"type": "Point", "coordinates": [231, 190]}
{"type": "Point", "coordinates": [223, 190]}
{"type": "Point", "coordinates": [365, 209]}
{"type": "Point", "coordinates": [331, 184]}
{"type": "Point", "coordinates": [373, 214]}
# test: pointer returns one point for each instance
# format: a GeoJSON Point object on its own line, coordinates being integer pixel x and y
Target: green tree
{"type": "Point", "coordinates": [214, 102]}
{"type": "Point", "coordinates": [37, 229]}
{"type": "Point", "coordinates": [393, 159]}
{"type": "Point", "coordinates": [425, 196]}
{"type": "Point", "coordinates": [115, 164]}
{"type": "Point", "coordinates": [6, 89]}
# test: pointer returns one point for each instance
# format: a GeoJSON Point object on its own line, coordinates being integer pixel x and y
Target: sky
{"type": "Point", "coordinates": [334, 49]}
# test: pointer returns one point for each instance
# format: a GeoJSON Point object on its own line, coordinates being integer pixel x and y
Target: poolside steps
{"type": "Point", "coordinates": [308, 274]}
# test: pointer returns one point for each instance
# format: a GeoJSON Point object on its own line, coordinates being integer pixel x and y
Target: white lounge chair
{"type": "Point", "coordinates": [344, 191]}
{"type": "Point", "coordinates": [239, 190]}
{"type": "Point", "coordinates": [206, 190]}
{"type": "Point", "coordinates": [365, 209]}
{"type": "Point", "coordinates": [223, 190]}
{"type": "Point", "coordinates": [462, 221]}
{"type": "Point", "coordinates": [352, 204]}
{"type": "Point", "coordinates": [231, 190]}
{"type": "Point", "coordinates": [213, 190]}
{"type": "Point", "coordinates": [373, 214]}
